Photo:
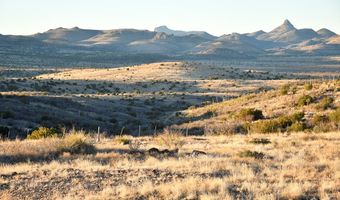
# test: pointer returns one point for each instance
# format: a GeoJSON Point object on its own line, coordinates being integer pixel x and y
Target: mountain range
{"type": "Point", "coordinates": [63, 43]}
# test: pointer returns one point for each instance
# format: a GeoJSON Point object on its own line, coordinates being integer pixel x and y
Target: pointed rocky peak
{"type": "Point", "coordinates": [287, 24]}
{"type": "Point", "coordinates": [285, 27]}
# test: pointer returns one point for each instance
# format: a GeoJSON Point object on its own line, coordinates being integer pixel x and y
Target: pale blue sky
{"type": "Point", "coordinates": [215, 16]}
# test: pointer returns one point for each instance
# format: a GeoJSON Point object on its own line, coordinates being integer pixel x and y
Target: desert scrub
{"type": "Point", "coordinates": [251, 154]}
{"type": "Point", "coordinates": [284, 89]}
{"type": "Point", "coordinates": [297, 127]}
{"type": "Point", "coordinates": [260, 141]}
{"type": "Point", "coordinates": [42, 132]}
{"type": "Point", "coordinates": [76, 143]}
{"type": "Point", "coordinates": [249, 114]}
{"type": "Point", "coordinates": [326, 123]}
{"type": "Point", "coordinates": [123, 139]}
{"type": "Point", "coordinates": [276, 125]}
{"type": "Point", "coordinates": [305, 100]}
{"type": "Point", "coordinates": [170, 139]}
{"type": "Point", "coordinates": [335, 116]}
{"type": "Point", "coordinates": [308, 86]}
{"type": "Point", "coordinates": [325, 103]}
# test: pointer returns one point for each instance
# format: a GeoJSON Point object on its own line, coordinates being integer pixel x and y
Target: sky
{"type": "Point", "coordinates": [24, 17]}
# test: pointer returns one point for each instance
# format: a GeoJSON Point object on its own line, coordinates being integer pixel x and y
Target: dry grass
{"type": "Point", "coordinates": [294, 166]}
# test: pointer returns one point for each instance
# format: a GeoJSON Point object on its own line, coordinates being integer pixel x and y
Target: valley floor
{"type": "Point", "coordinates": [270, 166]}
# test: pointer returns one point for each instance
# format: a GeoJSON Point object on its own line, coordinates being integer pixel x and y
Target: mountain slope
{"type": "Point", "coordinates": [64, 35]}
{"type": "Point", "coordinates": [325, 33]}
{"type": "Point", "coordinates": [165, 29]}
{"type": "Point", "coordinates": [287, 33]}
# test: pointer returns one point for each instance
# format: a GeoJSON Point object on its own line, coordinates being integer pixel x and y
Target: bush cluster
{"type": "Point", "coordinates": [284, 89]}
{"type": "Point", "coordinates": [42, 132]}
{"type": "Point", "coordinates": [325, 103]}
{"type": "Point", "coordinates": [276, 125]}
{"type": "Point", "coordinates": [252, 154]}
{"type": "Point", "coordinates": [250, 114]}
{"type": "Point", "coordinates": [305, 100]}
{"type": "Point", "coordinates": [76, 143]}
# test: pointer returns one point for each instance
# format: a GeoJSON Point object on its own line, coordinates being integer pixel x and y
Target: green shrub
{"type": "Point", "coordinates": [319, 119]}
{"type": "Point", "coordinates": [335, 116]}
{"type": "Point", "coordinates": [265, 126]}
{"type": "Point", "coordinates": [284, 89]}
{"type": "Point", "coordinates": [250, 114]}
{"type": "Point", "coordinates": [305, 100]}
{"type": "Point", "coordinates": [325, 103]}
{"type": "Point", "coordinates": [76, 143]}
{"type": "Point", "coordinates": [251, 154]}
{"type": "Point", "coordinates": [296, 127]}
{"type": "Point", "coordinates": [326, 123]}
{"type": "Point", "coordinates": [276, 125]}
{"type": "Point", "coordinates": [308, 86]}
{"type": "Point", "coordinates": [42, 132]}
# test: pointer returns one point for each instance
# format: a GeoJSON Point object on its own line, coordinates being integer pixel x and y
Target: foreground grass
{"type": "Point", "coordinates": [296, 166]}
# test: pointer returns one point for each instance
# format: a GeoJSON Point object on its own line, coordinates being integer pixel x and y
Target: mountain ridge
{"type": "Point", "coordinates": [285, 39]}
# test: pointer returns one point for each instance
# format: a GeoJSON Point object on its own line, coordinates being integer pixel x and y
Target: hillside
{"type": "Point", "coordinates": [313, 101]}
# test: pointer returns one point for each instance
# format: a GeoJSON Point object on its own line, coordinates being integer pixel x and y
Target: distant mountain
{"type": "Point", "coordinates": [255, 34]}
{"type": "Point", "coordinates": [165, 29]}
{"type": "Point", "coordinates": [64, 35]}
{"type": "Point", "coordinates": [76, 46]}
{"type": "Point", "coordinates": [325, 33]}
{"type": "Point", "coordinates": [287, 33]}
{"type": "Point", "coordinates": [236, 42]}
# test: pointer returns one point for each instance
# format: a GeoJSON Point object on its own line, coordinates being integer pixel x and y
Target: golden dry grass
{"type": "Point", "coordinates": [295, 166]}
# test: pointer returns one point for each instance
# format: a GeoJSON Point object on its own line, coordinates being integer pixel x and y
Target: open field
{"type": "Point", "coordinates": [199, 124]}
{"type": "Point", "coordinates": [127, 98]}
{"type": "Point", "coordinates": [294, 166]}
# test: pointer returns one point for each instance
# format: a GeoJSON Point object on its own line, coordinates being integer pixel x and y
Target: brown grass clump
{"type": "Point", "coordinates": [170, 139]}
{"type": "Point", "coordinates": [76, 143]}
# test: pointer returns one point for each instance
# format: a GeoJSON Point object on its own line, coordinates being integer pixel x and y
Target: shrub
{"type": "Point", "coordinates": [335, 116]}
{"type": "Point", "coordinates": [320, 119]}
{"type": "Point", "coordinates": [276, 125]}
{"type": "Point", "coordinates": [308, 86]}
{"type": "Point", "coordinates": [265, 126]}
{"type": "Point", "coordinates": [123, 139]}
{"type": "Point", "coordinates": [325, 103]}
{"type": "Point", "coordinates": [305, 100]}
{"type": "Point", "coordinates": [250, 114]}
{"type": "Point", "coordinates": [76, 143]}
{"type": "Point", "coordinates": [296, 127]}
{"type": "Point", "coordinates": [170, 139]}
{"type": "Point", "coordinates": [284, 89]}
{"type": "Point", "coordinates": [226, 129]}
{"type": "Point", "coordinates": [251, 154]}
{"type": "Point", "coordinates": [260, 141]}
{"type": "Point", "coordinates": [42, 132]}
